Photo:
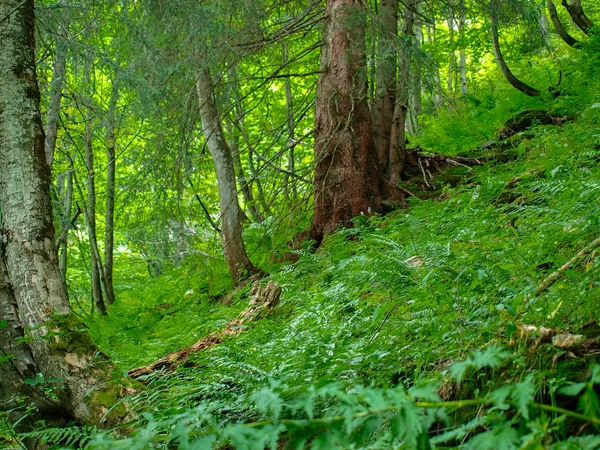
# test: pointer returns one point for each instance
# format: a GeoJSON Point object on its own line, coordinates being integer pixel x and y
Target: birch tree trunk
{"type": "Point", "coordinates": [231, 230]}
{"type": "Point", "coordinates": [39, 297]}
{"type": "Point", "coordinates": [348, 180]}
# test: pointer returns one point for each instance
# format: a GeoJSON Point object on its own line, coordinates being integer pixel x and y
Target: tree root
{"type": "Point", "coordinates": [263, 300]}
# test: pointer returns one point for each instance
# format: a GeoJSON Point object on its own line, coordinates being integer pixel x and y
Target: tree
{"type": "Point", "coordinates": [32, 290]}
{"type": "Point", "coordinates": [348, 178]}
{"type": "Point", "coordinates": [231, 230]}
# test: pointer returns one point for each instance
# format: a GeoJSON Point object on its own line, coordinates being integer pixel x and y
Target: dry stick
{"type": "Point", "coordinates": [551, 279]}
{"type": "Point", "coordinates": [263, 300]}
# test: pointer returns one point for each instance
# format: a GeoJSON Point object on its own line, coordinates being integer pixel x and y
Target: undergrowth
{"type": "Point", "coordinates": [401, 332]}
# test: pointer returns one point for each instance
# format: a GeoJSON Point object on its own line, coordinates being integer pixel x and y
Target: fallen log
{"type": "Point", "coordinates": [263, 300]}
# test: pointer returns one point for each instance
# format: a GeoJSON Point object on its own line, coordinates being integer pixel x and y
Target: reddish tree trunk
{"type": "Point", "coordinates": [348, 179]}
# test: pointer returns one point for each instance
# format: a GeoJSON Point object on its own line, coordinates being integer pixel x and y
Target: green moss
{"type": "Point", "coordinates": [69, 335]}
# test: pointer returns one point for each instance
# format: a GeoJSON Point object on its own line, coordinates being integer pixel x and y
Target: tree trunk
{"type": "Point", "coordinates": [39, 297]}
{"type": "Point", "coordinates": [511, 78]}
{"type": "Point", "coordinates": [436, 96]}
{"type": "Point", "coordinates": [462, 22]}
{"type": "Point", "coordinates": [109, 218]}
{"type": "Point", "coordinates": [383, 104]}
{"type": "Point", "coordinates": [56, 88]}
{"type": "Point", "coordinates": [95, 264]}
{"type": "Point", "coordinates": [452, 63]}
{"type": "Point", "coordinates": [576, 12]}
{"type": "Point", "coordinates": [289, 186]}
{"type": "Point", "coordinates": [66, 222]}
{"type": "Point", "coordinates": [558, 26]}
{"type": "Point", "coordinates": [398, 140]}
{"type": "Point", "coordinates": [348, 181]}
{"type": "Point", "coordinates": [238, 262]}
{"type": "Point", "coordinates": [245, 186]}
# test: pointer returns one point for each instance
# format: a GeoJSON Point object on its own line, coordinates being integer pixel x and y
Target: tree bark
{"type": "Point", "coordinates": [462, 22]}
{"type": "Point", "coordinates": [245, 185]}
{"type": "Point", "coordinates": [385, 90]}
{"type": "Point", "coordinates": [66, 222]}
{"type": "Point", "coordinates": [39, 298]}
{"type": "Point", "coordinates": [56, 88]}
{"type": "Point", "coordinates": [289, 186]}
{"type": "Point", "coordinates": [348, 180]}
{"type": "Point", "coordinates": [95, 263]}
{"type": "Point", "coordinates": [109, 218]}
{"type": "Point", "coordinates": [510, 77]}
{"type": "Point", "coordinates": [237, 259]}
{"type": "Point", "coordinates": [558, 26]}
{"type": "Point", "coordinates": [398, 140]}
{"type": "Point", "coordinates": [578, 15]}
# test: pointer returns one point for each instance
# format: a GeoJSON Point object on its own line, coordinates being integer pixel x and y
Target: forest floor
{"type": "Point", "coordinates": [430, 319]}
{"type": "Point", "coordinates": [441, 301]}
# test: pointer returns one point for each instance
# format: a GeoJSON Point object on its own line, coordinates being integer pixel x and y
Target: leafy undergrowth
{"type": "Point", "coordinates": [401, 332]}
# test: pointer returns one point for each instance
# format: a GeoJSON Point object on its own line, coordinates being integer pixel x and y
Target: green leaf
{"type": "Point", "coordinates": [572, 390]}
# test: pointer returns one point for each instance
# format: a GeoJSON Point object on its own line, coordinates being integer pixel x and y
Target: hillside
{"type": "Point", "coordinates": [416, 329]}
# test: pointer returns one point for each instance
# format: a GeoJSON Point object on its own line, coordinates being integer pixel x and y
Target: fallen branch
{"type": "Point", "coordinates": [263, 300]}
{"type": "Point", "coordinates": [551, 279]}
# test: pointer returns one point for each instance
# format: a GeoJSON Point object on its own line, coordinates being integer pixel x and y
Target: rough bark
{"type": "Point", "coordinates": [58, 346]}
{"type": "Point", "coordinates": [231, 230]}
{"type": "Point", "coordinates": [578, 15]}
{"type": "Point", "coordinates": [385, 90]}
{"type": "Point", "coordinates": [348, 180]}
{"type": "Point", "coordinates": [59, 72]}
{"type": "Point", "coordinates": [558, 26]}
{"type": "Point", "coordinates": [109, 217]}
{"type": "Point", "coordinates": [510, 77]}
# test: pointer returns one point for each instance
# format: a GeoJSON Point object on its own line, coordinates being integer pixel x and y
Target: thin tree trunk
{"type": "Point", "coordinates": [109, 229]}
{"type": "Point", "coordinates": [578, 15]}
{"type": "Point", "coordinates": [245, 186]}
{"type": "Point", "coordinates": [289, 186]}
{"type": "Point", "coordinates": [56, 88]}
{"type": "Point", "coordinates": [398, 140]}
{"type": "Point", "coordinates": [452, 63]}
{"type": "Point", "coordinates": [231, 231]}
{"type": "Point", "coordinates": [239, 112]}
{"type": "Point", "coordinates": [348, 181]}
{"type": "Point", "coordinates": [462, 22]}
{"type": "Point", "coordinates": [383, 104]}
{"type": "Point", "coordinates": [558, 26]}
{"type": "Point", "coordinates": [95, 264]}
{"type": "Point", "coordinates": [512, 79]}
{"type": "Point", "coordinates": [40, 302]}
{"type": "Point", "coordinates": [414, 88]}
{"type": "Point", "coordinates": [66, 223]}
{"type": "Point", "coordinates": [436, 96]}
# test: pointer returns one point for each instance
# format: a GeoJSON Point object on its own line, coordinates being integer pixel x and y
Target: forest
{"type": "Point", "coordinates": [299, 224]}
